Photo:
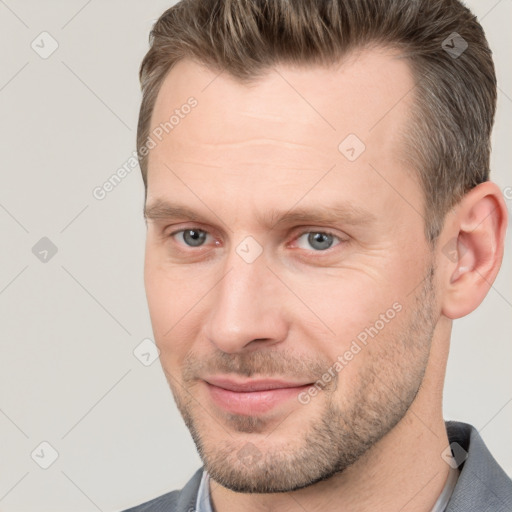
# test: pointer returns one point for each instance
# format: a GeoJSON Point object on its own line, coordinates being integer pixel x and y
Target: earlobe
{"type": "Point", "coordinates": [472, 250]}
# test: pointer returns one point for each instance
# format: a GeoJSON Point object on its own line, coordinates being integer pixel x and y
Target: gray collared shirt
{"type": "Point", "coordinates": [204, 504]}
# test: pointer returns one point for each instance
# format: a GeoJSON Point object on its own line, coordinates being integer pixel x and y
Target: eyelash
{"type": "Point", "coordinates": [302, 233]}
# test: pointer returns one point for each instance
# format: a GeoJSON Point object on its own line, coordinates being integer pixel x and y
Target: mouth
{"type": "Point", "coordinates": [251, 397]}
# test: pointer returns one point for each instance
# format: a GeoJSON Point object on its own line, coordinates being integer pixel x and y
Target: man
{"type": "Point", "coordinates": [319, 211]}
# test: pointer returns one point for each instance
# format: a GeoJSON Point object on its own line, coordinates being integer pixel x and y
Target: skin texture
{"type": "Point", "coordinates": [372, 438]}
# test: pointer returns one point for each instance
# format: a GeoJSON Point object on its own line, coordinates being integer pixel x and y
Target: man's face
{"type": "Point", "coordinates": [304, 261]}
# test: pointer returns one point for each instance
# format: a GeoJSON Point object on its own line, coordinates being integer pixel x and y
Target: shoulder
{"type": "Point", "coordinates": [175, 501]}
{"type": "Point", "coordinates": [482, 484]}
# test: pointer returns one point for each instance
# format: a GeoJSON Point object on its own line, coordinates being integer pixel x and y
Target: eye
{"type": "Point", "coordinates": [318, 240]}
{"type": "Point", "coordinates": [192, 237]}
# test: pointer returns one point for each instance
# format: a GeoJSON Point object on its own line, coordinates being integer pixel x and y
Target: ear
{"type": "Point", "coordinates": [471, 249]}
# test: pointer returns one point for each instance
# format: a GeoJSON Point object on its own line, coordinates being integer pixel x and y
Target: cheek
{"type": "Point", "coordinates": [364, 311]}
{"type": "Point", "coordinates": [349, 302]}
{"type": "Point", "coordinates": [160, 297]}
{"type": "Point", "coordinates": [173, 297]}
{"type": "Point", "coordinates": [168, 288]}
{"type": "Point", "coordinates": [158, 294]}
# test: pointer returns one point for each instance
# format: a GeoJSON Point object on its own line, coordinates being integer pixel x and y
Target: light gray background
{"type": "Point", "coordinates": [68, 328]}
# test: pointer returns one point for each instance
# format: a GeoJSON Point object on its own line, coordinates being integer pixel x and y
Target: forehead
{"type": "Point", "coordinates": [286, 128]}
{"type": "Point", "coordinates": [365, 93]}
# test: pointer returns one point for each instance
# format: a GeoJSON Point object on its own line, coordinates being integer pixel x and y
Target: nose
{"type": "Point", "coordinates": [248, 307]}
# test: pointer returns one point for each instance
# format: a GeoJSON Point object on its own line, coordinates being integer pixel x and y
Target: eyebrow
{"type": "Point", "coordinates": [323, 214]}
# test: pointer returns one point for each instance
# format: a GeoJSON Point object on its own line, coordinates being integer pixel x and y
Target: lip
{"type": "Point", "coordinates": [254, 396]}
{"type": "Point", "coordinates": [249, 385]}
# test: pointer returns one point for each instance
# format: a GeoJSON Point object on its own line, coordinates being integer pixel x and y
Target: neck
{"type": "Point", "coordinates": [403, 471]}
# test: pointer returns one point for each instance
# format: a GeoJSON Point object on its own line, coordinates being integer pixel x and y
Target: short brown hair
{"type": "Point", "coordinates": [448, 140]}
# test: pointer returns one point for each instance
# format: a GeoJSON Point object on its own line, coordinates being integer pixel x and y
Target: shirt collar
{"type": "Point", "coordinates": [203, 501]}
